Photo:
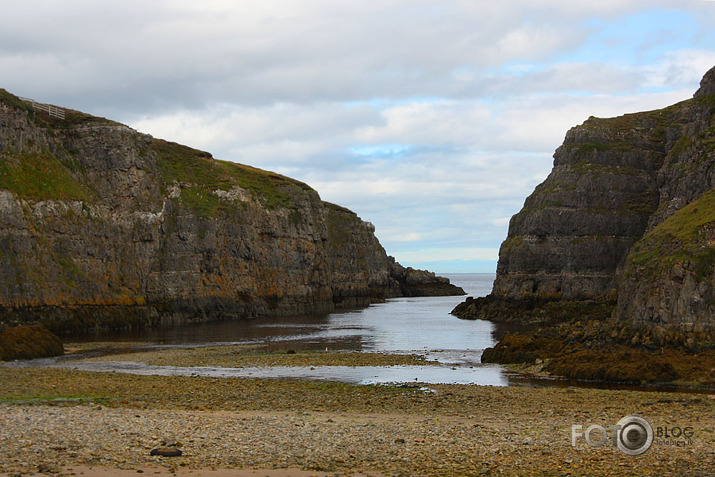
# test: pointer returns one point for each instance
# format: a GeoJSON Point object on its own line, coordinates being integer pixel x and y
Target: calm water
{"type": "Point", "coordinates": [398, 325]}
{"type": "Point", "coordinates": [401, 325]}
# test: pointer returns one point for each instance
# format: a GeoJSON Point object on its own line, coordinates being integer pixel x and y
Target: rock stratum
{"type": "Point", "coordinates": [103, 227]}
{"type": "Point", "coordinates": [626, 217]}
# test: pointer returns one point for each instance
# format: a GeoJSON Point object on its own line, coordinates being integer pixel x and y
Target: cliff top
{"type": "Point", "coordinates": [71, 118]}
{"type": "Point", "coordinates": [43, 175]}
{"type": "Point", "coordinates": [707, 85]}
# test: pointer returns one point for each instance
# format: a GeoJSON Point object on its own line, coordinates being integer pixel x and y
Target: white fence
{"type": "Point", "coordinates": [53, 111]}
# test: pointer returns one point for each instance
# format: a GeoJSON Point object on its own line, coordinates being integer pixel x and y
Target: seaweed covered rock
{"type": "Point", "coordinates": [28, 342]}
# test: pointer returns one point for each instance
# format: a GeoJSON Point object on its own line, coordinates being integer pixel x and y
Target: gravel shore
{"type": "Point", "coordinates": [68, 422]}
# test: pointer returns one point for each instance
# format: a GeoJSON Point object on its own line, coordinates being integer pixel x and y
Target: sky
{"type": "Point", "coordinates": [433, 120]}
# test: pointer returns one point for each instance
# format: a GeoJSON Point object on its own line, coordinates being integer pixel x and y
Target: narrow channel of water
{"type": "Point", "coordinates": [402, 325]}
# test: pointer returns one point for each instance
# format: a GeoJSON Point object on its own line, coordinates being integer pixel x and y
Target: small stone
{"type": "Point", "coordinates": [171, 442]}
{"type": "Point", "coordinates": [399, 441]}
{"type": "Point", "coordinates": [46, 469]}
{"type": "Point", "coordinates": [166, 452]}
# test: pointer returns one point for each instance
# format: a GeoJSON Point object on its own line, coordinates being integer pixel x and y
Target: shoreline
{"type": "Point", "coordinates": [277, 428]}
{"type": "Point", "coordinates": [261, 355]}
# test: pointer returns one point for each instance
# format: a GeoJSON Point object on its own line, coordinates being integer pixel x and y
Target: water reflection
{"type": "Point", "coordinates": [404, 325]}
{"type": "Point", "coordinates": [485, 375]}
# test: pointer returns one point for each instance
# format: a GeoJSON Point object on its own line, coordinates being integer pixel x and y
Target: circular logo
{"type": "Point", "coordinates": [634, 436]}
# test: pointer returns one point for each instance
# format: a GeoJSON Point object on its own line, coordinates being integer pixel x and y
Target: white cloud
{"type": "Point", "coordinates": [434, 120]}
{"type": "Point", "coordinates": [440, 255]}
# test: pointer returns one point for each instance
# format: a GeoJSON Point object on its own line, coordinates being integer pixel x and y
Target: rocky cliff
{"type": "Point", "coordinates": [626, 216]}
{"type": "Point", "coordinates": [102, 226]}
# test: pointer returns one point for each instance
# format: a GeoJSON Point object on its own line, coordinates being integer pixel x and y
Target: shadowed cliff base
{"type": "Point", "coordinates": [581, 340]}
{"type": "Point", "coordinates": [594, 350]}
{"type": "Point", "coordinates": [530, 310]}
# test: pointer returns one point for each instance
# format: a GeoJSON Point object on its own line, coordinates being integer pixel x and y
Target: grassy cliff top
{"type": "Point", "coordinates": [200, 175]}
{"type": "Point", "coordinates": [45, 176]}
{"type": "Point", "coordinates": [72, 117]}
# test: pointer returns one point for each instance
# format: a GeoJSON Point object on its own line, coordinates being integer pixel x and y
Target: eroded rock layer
{"type": "Point", "coordinates": [626, 215]}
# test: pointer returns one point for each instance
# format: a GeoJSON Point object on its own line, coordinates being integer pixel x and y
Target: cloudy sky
{"type": "Point", "coordinates": [431, 119]}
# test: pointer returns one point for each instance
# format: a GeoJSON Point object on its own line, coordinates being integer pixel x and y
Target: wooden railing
{"type": "Point", "coordinates": [53, 111]}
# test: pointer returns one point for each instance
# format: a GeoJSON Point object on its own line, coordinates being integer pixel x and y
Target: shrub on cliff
{"type": "Point", "coordinates": [28, 342]}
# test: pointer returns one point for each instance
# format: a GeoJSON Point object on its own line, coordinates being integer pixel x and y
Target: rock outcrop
{"type": "Point", "coordinates": [105, 227]}
{"type": "Point", "coordinates": [626, 216]}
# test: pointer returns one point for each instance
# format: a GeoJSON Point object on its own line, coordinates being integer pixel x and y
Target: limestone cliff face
{"type": "Point", "coordinates": [613, 222]}
{"type": "Point", "coordinates": [101, 226]}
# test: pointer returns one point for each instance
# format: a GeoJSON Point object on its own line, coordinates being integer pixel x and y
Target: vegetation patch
{"type": "Point", "coordinates": [511, 243]}
{"type": "Point", "coordinates": [13, 101]}
{"type": "Point", "coordinates": [339, 224]}
{"type": "Point", "coordinates": [680, 238]}
{"type": "Point", "coordinates": [204, 203]}
{"type": "Point", "coordinates": [200, 175]}
{"type": "Point", "coordinates": [590, 147]}
{"type": "Point", "coordinates": [644, 204]}
{"type": "Point", "coordinates": [625, 364]}
{"type": "Point", "coordinates": [28, 342]}
{"type": "Point", "coordinates": [40, 176]}
{"type": "Point", "coordinates": [681, 146]}
{"type": "Point", "coordinates": [586, 166]}
{"type": "Point", "coordinates": [632, 124]}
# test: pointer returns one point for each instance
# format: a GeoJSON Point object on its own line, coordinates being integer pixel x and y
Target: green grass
{"type": "Point", "coordinates": [72, 118]}
{"type": "Point", "coordinates": [681, 146]}
{"type": "Point", "coordinates": [585, 166]}
{"type": "Point", "coordinates": [511, 243]}
{"type": "Point", "coordinates": [590, 147]}
{"type": "Point", "coordinates": [201, 175]}
{"type": "Point", "coordinates": [680, 238]}
{"type": "Point", "coordinates": [627, 124]}
{"type": "Point", "coordinates": [40, 176]}
{"type": "Point", "coordinates": [13, 101]}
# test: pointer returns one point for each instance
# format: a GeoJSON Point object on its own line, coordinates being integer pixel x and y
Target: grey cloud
{"type": "Point", "coordinates": [139, 56]}
{"type": "Point", "coordinates": [477, 92]}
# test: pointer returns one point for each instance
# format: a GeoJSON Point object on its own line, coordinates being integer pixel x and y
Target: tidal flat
{"type": "Point", "coordinates": [61, 421]}
{"type": "Point", "coordinates": [255, 356]}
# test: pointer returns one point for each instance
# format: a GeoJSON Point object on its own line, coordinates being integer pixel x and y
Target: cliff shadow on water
{"type": "Point", "coordinates": [611, 257]}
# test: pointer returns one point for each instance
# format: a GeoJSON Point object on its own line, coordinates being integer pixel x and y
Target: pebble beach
{"type": "Point", "coordinates": [69, 422]}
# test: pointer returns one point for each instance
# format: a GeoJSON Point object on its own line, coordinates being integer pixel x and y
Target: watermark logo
{"type": "Point", "coordinates": [632, 435]}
